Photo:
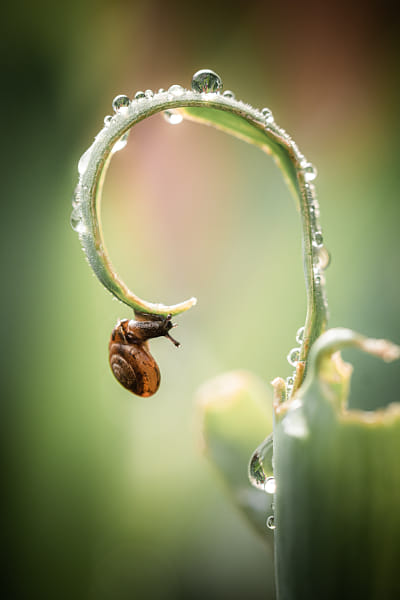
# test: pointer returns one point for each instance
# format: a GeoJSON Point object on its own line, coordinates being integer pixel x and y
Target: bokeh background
{"type": "Point", "coordinates": [107, 495]}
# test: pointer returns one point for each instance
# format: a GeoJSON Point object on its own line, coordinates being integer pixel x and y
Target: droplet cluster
{"type": "Point", "coordinates": [203, 81]}
{"type": "Point", "coordinates": [293, 358]}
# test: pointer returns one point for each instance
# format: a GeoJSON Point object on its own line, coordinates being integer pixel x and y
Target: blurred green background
{"type": "Point", "coordinates": [108, 495]}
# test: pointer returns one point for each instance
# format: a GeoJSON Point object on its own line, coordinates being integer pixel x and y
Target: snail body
{"type": "Point", "coordinates": [129, 354]}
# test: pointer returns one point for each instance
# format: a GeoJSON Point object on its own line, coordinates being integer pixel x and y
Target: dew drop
{"type": "Point", "coordinates": [270, 485]}
{"type": "Point", "coordinates": [319, 238]}
{"type": "Point", "coordinates": [324, 258]}
{"type": "Point", "coordinates": [76, 220]}
{"type": "Point", "coordinates": [120, 102]}
{"type": "Point", "coordinates": [267, 113]}
{"type": "Point", "coordinates": [293, 356]}
{"type": "Point", "coordinates": [161, 91]}
{"type": "Point", "coordinates": [107, 120]}
{"type": "Point", "coordinates": [139, 95]}
{"type": "Point", "coordinates": [76, 196]}
{"type": "Point", "coordinates": [300, 335]}
{"type": "Point", "coordinates": [321, 257]}
{"type": "Point", "coordinates": [84, 161]}
{"type": "Point", "coordinates": [149, 93]}
{"type": "Point", "coordinates": [121, 143]}
{"type": "Point", "coordinates": [289, 381]}
{"type": "Point", "coordinates": [260, 466]}
{"type": "Point", "coordinates": [176, 90]}
{"type": "Point", "coordinates": [271, 522]}
{"type": "Point", "coordinates": [310, 172]}
{"type": "Point", "coordinates": [172, 117]}
{"type": "Point", "coordinates": [206, 80]}
{"type": "Point", "coordinates": [289, 385]}
{"type": "Point", "coordinates": [317, 276]}
{"type": "Point", "coordinates": [229, 94]}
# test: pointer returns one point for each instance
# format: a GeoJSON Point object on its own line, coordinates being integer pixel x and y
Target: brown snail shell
{"type": "Point", "coordinates": [130, 359]}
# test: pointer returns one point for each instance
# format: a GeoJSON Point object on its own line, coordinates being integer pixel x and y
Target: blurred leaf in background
{"type": "Point", "coordinates": [108, 495]}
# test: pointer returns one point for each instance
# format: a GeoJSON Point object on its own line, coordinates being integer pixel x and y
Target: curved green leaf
{"type": "Point", "coordinates": [338, 484]}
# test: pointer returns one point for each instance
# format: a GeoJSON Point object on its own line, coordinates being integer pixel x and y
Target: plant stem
{"type": "Point", "coordinates": [242, 121]}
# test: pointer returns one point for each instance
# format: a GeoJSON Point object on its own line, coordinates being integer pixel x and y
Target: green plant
{"type": "Point", "coordinates": [319, 481]}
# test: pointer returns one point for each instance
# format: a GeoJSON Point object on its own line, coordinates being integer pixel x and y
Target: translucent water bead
{"type": "Point", "coordinates": [76, 220]}
{"type": "Point", "coordinates": [289, 381]}
{"type": "Point", "coordinates": [76, 196]}
{"type": "Point", "coordinates": [140, 95]}
{"type": "Point", "coordinates": [271, 522]}
{"type": "Point", "coordinates": [318, 238]}
{"type": "Point", "coordinates": [300, 335]}
{"type": "Point", "coordinates": [120, 102]}
{"type": "Point", "coordinates": [269, 118]}
{"type": "Point", "coordinates": [121, 143]}
{"type": "Point", "coordinates": [322, 257]}
{"type": "Point", "coordinates": [173, 118]}
{"type": "Point", "coordinates": [289, 385]}
{"type": "Point", "coordinates": [293, 356]}
{"type": "Point", "coordinates": [176, 90]}
{"type": "Point", "coordinates": [84, 161]}
{"type": "Point", "coordinates": [260, 466]}
{"type": "Point", "coordinates": [310, 172]}
{"type": "Point", "coordinates": [229, 94]}
{"type": "Point", "coordinates": [206, 80]}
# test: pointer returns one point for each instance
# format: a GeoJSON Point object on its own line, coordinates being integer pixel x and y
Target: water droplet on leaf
{"type": "Point", "coordinates": [120, 102]}
{"type": "Point", "coordinates": [321, 257]}
{"type": "Point", "coordinates": [260, 466]}
{"type": "Point", "coordinates": [271, 522]}
{"type": "Point", "coordinates": [289, 381]}
{"type": "Point", "coordinates": [293, 356]}
{"type": "Point", "coordinates": [206, 80]}
{"type": "Point", "coordinates": [300, 335]}
{"type": "Point", "coordinates": [121, 143]}
{"type": "Point", "coordinates": [139, 95]}
{"type": "Point", "coordinates": [107, 120]}
{"type": "Point", "coordinates": [149, 93]}
{"type": "Point", "coordinates": [267, 113]}
{"type": "Point", "coordinates": [176, 90]}
{"type": "Point", "coordinates": [174, 118]}
{"type": "Point", "coordinates": [76, 220]}
{"type": "Point", "coordinates": [76, 196]}
{"type": "Point", "coordinates": [319, 238]}
{"type": "Point", "coordinates": [324, 258]}
{"type": "Point", "coordinates": [310, 172]}
{"type": "Point", "coordinates": [84, 161]}
{"type": "Point", "coordinates": [229, 94]}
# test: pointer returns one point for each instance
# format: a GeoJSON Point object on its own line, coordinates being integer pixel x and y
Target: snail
{"type": "Point", "coordinates": [129, 354]}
